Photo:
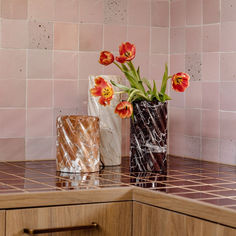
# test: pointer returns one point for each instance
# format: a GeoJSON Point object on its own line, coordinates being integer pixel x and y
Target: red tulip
{"type": "Point", "coordinates": [127, 52]}
{"type": "Point", "coordinates": [180, 81]}
{"type": "Point", "coordinates": [124, 109]}
{"type": "Point", "coordinates": [104, 90]}
{"type": "Point", "coordinates": [106, 58]}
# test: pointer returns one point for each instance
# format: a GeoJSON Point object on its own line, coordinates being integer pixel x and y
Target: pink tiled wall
{"type": "Point", "coordinates": [202, 43]}
{"type": "Point", "coordinates": [47, 50]}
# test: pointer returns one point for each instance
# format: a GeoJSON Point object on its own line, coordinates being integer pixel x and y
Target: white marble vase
{"type": "Point", "coordinates": [110, 124]}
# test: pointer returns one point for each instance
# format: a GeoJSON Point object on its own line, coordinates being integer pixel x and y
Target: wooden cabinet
{"type": "Point", "coordinates": [154, 221]}
{"type": "Point", "coordinates": [2, 223]}
{"type": "Point", "coordinates": [113, 219]}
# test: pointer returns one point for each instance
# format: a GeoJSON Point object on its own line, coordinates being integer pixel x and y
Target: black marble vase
{"type": "Point", "coordinates": [148, 137]}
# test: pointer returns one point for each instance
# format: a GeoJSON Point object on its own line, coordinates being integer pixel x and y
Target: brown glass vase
{"type": "Point", "coordinates": [148, 137]}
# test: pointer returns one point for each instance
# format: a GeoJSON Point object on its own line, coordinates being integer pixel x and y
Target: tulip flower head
{"type": "Point", "coordinates": [124, 109]}
{"type": "Point", "coordinates": [102, 89]}
{"type": "Point", "coordinates": [127, 52]}
{"type": "Point", "coordinates": [106, 58]}
{"type": "Point", "coordinates": [180, 81]}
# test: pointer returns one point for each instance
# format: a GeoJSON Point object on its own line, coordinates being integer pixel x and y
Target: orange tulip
{"type": "Point", "coordinates": [102, 89]}
{"type": "Point", "coordinates": [124, 109]}
{"type": "Point", "coordinates": [106, 58]}
{"type": "Point", "coordinates": [180, 81]}
{"type": "Point", "coordinates": [127, 52]}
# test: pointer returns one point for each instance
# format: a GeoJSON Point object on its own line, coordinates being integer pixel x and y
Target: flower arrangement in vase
{"type": "Point", "coordinates": [145, 103]}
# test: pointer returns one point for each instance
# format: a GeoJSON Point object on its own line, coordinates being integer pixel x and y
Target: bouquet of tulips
{"type": "Point", "coordinates": [140, 88]}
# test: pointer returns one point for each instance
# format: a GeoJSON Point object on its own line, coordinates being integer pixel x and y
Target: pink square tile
{"type": "Point", "coordinates": [90, 37]}
{"type": "Point", "coordinates": [177, 13]}
{"type": "Point", "coordinates": [210, 95]}
{"type": "Point", "coordinates": [138, 12]}
{"type": "Point", "coordinates": [211, 34]}
{"type": "Point", "coordinates": [176, 120]}
{"type": "Point", "coordinates": [176, 144]}
{"type": "Point", "coordinates": [193, 39]}
{"type": "Point", "coordinates": [91, 11]}
{"type": "Point", "coordinates": [12, 93]}
{"type": "Point", "coordinates": [177, 99]}
{"type": "Point", "coordinates": [83, 97]}
{"type": "Point", "coordinates": [192, 147]}
{"type": "Point", "coordinates": [227, 67]}
{"type": "Point", "coordinates": [192, 122]}
{"type": "Point", "coordinates": [67, 10]}
{"type": "Point", "coordinates": [228, 37]}
{"type": "Point", "coordinates": [65, 36]}
{"type": "Point", "coordinates": [14, 9]}
{"type": "Point", "coordinates": [142, 61]}
{"type": "Point", "coordinates": [228, 96]}
{"type": "Point", "coordinates": [12, 123]}
{"type": "Point", "coordinates": [140, 36]}
{"type": "Point", "coordinates": [211, 11]}
{"type": "Point", "coordinates": [39, 93]}
{"type": "Point", "coordinates": [156, 66]}
{"type": "Point", "coordinates": [41, 9]}
{"type": "Point", "coordinates": [12, 64]}
{"type": "Point", "coordinates": [210, 66]}
{"type": "Point", "coordinates": [177, 63]}
{"type": "Point", "coordinates": [210, 149]}
{"type": "Point", "coordinates": [65, 65]}
{"type": "Point", "coordinates": [193, 95]}
{"type": "Point", "coordinates": [159, 40]}
{"type": "Point", "coordinates": [14, 34]}
{"type": "Point", "coordinates": [227, 125]}
{"type": "Point", "coordinates": [65, 93]}
{"type": "Point", "coordinates": [193, 12]}
{"type": "Point", "coordinates": [227, 152]}
{"type": "Point", "coordinates": [177, 40]}
{"type": "Point", "coordinates": [12, 149]}
{"type": "Point", "coordinates": [210, 124]}
{"type": "Point", "coordinates": [88, 65]}
{"type": "Point", "coordinates": [39, 64]}
{"type": "Point", "coordinates": [114, 35]}
{"type": "Point", "coordinates": [159, 13]}
{"type": "Point", "coordinates": [40, 148]}
{"type": "Point", "coordinates": [39, 122]}
{"type": "Point", "coordinates": [228, 8]}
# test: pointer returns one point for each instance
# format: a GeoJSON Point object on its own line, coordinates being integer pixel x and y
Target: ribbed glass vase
{"type": "Point", "coordinates": [148, 137]}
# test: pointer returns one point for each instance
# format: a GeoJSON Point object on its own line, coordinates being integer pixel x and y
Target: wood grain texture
{"type": "Point", "coordinates": [153, 221]}
{"type": "Point", "coordinates": [2, 223]}
{"type": "Point", "coordinates": [113, 219]}
{"type": "Point", "coordinates": [65, 198]}
{"type": "Point", "coordinates": [188, 206]}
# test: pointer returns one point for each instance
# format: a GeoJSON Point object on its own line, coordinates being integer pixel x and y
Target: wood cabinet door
{"type": "Point", "coordinates": [2, 223]}
{"type": "Point", "coordinates": [154, 221]}
{"type": "Point", "coordinates": [114, 219]}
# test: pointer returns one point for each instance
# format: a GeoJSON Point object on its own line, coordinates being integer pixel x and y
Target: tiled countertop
{"type": "Point", "coordinates": [202, 181]}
